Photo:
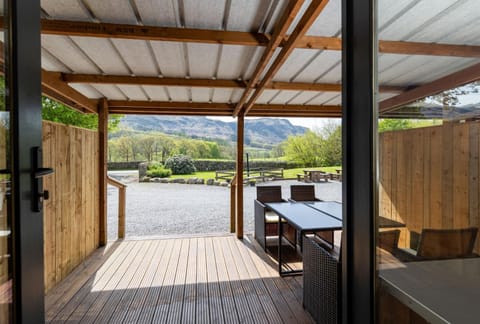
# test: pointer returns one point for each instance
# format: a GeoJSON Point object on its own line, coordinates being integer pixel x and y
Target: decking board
{"type": "Point", "coordinates": [201, 279]}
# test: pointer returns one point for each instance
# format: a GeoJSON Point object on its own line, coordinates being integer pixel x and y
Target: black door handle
{"type": "Point", "coordinates": [38, 194]}
{"type": "Point", "coordinates": [41, 172]}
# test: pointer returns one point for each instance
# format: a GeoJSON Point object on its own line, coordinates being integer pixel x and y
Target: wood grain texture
{"type": "Point", "coordinates": [432, 179]}
{"type": "Point", "coordinates": [185, 280]}
{"type": "Point", "coordinates": [69, 215]}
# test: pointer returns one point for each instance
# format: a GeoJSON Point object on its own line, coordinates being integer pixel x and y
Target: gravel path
{"type": "Point", "coordinates": [155, 209]}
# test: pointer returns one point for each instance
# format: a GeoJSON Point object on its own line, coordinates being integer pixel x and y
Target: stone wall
{"type": "Point", "coordinates": [132, 165]}
{"type": "Point", "coordinates": [219, 165]}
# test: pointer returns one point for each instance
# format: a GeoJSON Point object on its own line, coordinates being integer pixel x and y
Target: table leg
{"type": "Point", "coordinates": [280, 234]}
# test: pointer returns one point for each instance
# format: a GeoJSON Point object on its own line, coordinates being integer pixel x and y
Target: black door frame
{"type": "Point", "coordinates": [24, 85]}
{"type": "Point", "coordinates": [359, 126]}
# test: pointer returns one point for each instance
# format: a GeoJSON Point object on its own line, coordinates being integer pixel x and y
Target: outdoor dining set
{"type": "Point", "coordinates": [310, 229]}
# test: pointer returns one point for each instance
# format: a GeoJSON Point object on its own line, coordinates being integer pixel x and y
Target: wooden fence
{"type": "Point", "coordinates": [71, 214]}
{"type": "Point", "coordinates": [429, 178]}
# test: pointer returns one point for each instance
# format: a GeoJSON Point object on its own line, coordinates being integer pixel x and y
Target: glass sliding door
{"type": "Point", "coordinates": [6, 273]}
{"type": "Point", "coordinates": [428, 162]}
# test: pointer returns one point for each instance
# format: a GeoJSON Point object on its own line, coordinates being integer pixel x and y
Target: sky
{"type": "Point", "coordinates": [312, 123]}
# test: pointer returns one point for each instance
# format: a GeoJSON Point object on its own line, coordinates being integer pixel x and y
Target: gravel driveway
{"type": "Point", "coordinates": [155, 209]}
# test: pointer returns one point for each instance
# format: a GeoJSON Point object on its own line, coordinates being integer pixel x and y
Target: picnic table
{"type": "Point", "coordinates": [312, 175]}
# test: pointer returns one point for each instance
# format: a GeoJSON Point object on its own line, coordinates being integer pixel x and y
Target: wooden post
{"type": "Point", "coordinates": [102, 170]}
{"type": "Point", "coordinates": [239, 202]}
{"type": "Point", "coordinates": [121, 212]}
{"type": "Point", "coordinates": [233, 203]}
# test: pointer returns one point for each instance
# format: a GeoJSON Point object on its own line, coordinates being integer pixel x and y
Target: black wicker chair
{"type": "Point", "coordinates": [266, 221]}
{"type": "Point", "coordinates": [322, 289]}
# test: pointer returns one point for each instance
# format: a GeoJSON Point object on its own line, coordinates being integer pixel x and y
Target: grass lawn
{"type": "Point", "coordinates": [287, 173]}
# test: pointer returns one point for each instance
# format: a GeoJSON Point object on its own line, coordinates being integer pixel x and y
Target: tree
{"type": "Point", "coordinates": [124, 147]}
{"type": "Point", "coordinates": [57, 112]}
{"type": "Point", "coordinates": [332, 147]}
{"type": "Point", "coordinates": [147, 146]}
{"type": "Point", "coordinates": [305, 148]}
{"type": "Point", "coordinates": [393, 124]}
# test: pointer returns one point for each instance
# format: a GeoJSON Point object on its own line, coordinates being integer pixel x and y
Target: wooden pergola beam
{"type": "Point", "coordinates": [207, 83]}
{"type": "Point", "coordinates": [451, 81]}
{"type": "Point", "coordinates": [125, 31]}
{"type": "Point", "coordinates": [308, 18]}
{"type": "Point", "coordinates": [279, 33]}
{"type": "Point", "coordinates": [223, 109]}
{"type": "Point", "coordinates": [54, 87]}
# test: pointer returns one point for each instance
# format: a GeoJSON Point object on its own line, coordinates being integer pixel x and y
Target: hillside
{"type": "Point", "coordinates": [258, 132]}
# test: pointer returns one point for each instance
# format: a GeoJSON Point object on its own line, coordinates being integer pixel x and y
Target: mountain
{"type": "Point", "coordinates": [258, 132]}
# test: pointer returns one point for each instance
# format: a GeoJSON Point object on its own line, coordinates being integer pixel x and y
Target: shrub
{"type": "Point", "coordinates": [180, 164]}
{"type": "Point", "coordinates": [156, 170]}
{"type": "Point", "coordinates": [159, 173]}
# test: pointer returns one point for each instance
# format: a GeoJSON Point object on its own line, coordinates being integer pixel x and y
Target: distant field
{"type": "Point", "coordinates": [287, 173]}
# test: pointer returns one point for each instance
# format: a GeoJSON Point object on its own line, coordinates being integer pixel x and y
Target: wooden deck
{"type": "Point", "coordinates": [180, 280]}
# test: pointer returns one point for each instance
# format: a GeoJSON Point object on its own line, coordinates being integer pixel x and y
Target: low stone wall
{"type": "Point", "coordinates": [218, 165]}
{"type": "Point", "coordinates": [132, 165]}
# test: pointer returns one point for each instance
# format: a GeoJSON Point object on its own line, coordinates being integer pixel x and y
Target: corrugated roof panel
{"type": "Point", "coordinates": [332, 75]}
{"type": "Point", "coordinates": [335, 101]}
{"type": "Point", "coordinates": [329, 21]}
{"type": "Point", "coordinates": [50, 63]}
{"type": "Point", "coordinates": [206, 14]}
{"type": "Point", "coordinates": [137, 56]}
{"type": "Point", "coordinates": [465, 22]}
{"type": "Point", "coordinates": [113, 11]}
{"type": "Point", "coordinates": [102, 52]}
{"type": "Point", "coordinates": [236, 95]}
{"type": "Point", "coordinates": [322, 98]}
{"type": "Point", "coordinates": [299, 16]}
{"type": "Point", "coordinates": [253, 59]}
{"type": "Point", "coordinates": [156, 93]}
{"type": "Point", "coordinates": [272, 59]}
{"type": "Point", "coordinates": [386, 95]}
{"type": "Point", "coordinates": [283, 97]}
{"type": "Point", "coordinates": [388, 11]}
{"type": "Point", "coordinates": [266, 96]}
{"type": "Point", "coordinates": [158, 13]}
{"type": "Point", "coordinates": [179, 93]}
{"type": "Point", "coordinates": [202, 59]}
{"type": "Point", "coordinates": [410, 70]}
{"type": "Point", "coordinates": [65, 9]}
{"type": "Point", "coordinates": [171, 58]}
{"type": "Point", "coordinates": [222, 95]}
{"type": "Point", "coordinates": [247, 15]}
{"type": "Point", "coordinates": [294, 64]}
{"type": "Point", "coordinates": [234, 61]}
{"type": "Point", "coordinates": [303, 97]}
{"type": "Point", "coordinates": [318, 67]}
{"type": "Point", "coordinates": [201, 94]}
{"type": "Point", "coordinates": [66, 51]}
{"type": "Point", "coordinates": [414, 18]}
{"type": "Point", "coordinates": [273, 15]}
{"type": "Point", "coordinates": [133, 92]}
{"type": "Point", "coordinates": [109, 91]}
{"type": "Point", "coordinates": [87, 90]}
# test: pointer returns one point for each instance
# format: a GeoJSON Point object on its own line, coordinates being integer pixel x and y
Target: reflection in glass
{"type": "Point", "coordinates": [5, 210]}
{"type": "Point", "coordinates": [429, 164]}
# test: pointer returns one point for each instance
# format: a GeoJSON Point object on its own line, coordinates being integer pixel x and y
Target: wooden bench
{"type": "Point", "coordinates": [301, 177]}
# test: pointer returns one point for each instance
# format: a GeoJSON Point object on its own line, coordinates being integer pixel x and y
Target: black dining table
{"type": "Point", "coordinates": [314, 216]}
{"type": "Point", "coordinates": [304, 219]}
{"type": "Point", "coordinates": [334, 209]}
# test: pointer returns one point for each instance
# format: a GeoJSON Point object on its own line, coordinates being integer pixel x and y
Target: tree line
{"type": "Point", "coordinates": [154, 146]}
